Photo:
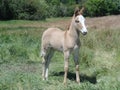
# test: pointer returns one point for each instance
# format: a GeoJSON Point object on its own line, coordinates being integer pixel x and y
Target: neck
{"type": "Point", "coordinates": [73, 32]}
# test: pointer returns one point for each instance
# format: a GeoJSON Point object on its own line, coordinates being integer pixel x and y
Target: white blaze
{"type": "Point", "coordinates": [82, 21]}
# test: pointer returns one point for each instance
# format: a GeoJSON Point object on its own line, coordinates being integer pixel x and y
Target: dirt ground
{"type": "Point", "coordinates": [106, 22]}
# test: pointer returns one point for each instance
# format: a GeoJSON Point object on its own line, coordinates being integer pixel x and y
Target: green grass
{"type": "Point", "coordinates": [20, 63]}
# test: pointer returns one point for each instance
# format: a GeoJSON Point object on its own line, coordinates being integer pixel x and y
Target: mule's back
{"type": "Point", "coordinates": [53, 38]}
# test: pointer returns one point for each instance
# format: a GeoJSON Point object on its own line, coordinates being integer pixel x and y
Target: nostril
{"type": "Point", "coordinates": [84, 33]}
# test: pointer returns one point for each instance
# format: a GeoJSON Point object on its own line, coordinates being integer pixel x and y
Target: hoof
{"type": "Point", "coordinates": [78, 82]}
{"type": "Point", "coordinates": [65, 83]}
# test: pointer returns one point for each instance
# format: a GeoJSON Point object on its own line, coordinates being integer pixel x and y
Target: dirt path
{"type": "Point", "coordinates": [106, 22]}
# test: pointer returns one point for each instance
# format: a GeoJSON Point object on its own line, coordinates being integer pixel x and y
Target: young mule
{"type": "Point", "coordinates": [64, 41]}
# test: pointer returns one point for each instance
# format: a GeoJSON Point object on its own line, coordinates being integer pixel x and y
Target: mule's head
{"type": "Point", "coordinates": [79, 21]}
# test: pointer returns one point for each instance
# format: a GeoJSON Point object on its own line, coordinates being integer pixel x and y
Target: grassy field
{"type": "Point", "coordinates": [20, 63]}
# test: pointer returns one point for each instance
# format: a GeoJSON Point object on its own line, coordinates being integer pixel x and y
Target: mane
{"type": "Point", "coordinates": [70, 22]}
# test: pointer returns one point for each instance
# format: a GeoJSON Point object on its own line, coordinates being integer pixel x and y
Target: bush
{"type": "Point", "coordinates": [40, 9]}
{"type": "Point", "coordinates": [5, 12]}
{"type": "Point", "coordinates": [102, 7]}
{"type": "Point", "coordinates": [23, 9]}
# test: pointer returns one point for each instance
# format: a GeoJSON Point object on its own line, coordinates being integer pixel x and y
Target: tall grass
{"type": "Point", "coordinates": [16, 47]}
{"type": "Point", "coordinates": [20, 63]}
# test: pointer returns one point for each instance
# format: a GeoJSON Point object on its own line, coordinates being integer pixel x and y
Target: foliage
{"type": "Point", "coordinates": [35, 9]}
{"type": "Point", "coordinates": [41, 9]}
{"type": "Point", "coordinates": [102, 7]}
{"type": "Point", "coordinates": [23, 9]}
{"type": "Point", "coordinates": [59, 9]}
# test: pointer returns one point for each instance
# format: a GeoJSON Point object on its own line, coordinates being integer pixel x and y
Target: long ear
{"type": "Point", "coordinates": [82, 9]}
{"type": "Point", "coordinates": [77, 11]}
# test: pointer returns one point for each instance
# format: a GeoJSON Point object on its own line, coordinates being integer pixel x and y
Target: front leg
{"type": "Point", "coordinates": [66, 62]}
{"type": "Point", "coordinates": [76, 60]}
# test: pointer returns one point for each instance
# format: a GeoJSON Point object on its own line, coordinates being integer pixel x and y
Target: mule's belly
{"type": "Point", "coordinates": [59, 48]}
{"type": "Point", "coordinates": [57, 43]}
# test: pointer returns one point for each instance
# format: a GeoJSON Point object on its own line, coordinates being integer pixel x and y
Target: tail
{"type": "Point", "coordinates": [42, 53]}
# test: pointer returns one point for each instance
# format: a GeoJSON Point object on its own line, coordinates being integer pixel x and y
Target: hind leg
{"type": "Point", "coordinates": [46, 62]}
{"type": "Point", "coordinates": [43, 67]}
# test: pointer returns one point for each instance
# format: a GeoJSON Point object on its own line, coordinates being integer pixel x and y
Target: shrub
{"type": "Point", "coordinates": [5, 12]}
{"type": "Point", "coordinates": [23, 9]}
{"type": "Point", "coordinates": [102, 7]}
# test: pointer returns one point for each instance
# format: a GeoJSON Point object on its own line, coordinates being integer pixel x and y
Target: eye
{"type": "Point", "coordinates": [76, 21]}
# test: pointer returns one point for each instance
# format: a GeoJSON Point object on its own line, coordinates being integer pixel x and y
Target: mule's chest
{"type": "Point", "coordinates": [71, 44]}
